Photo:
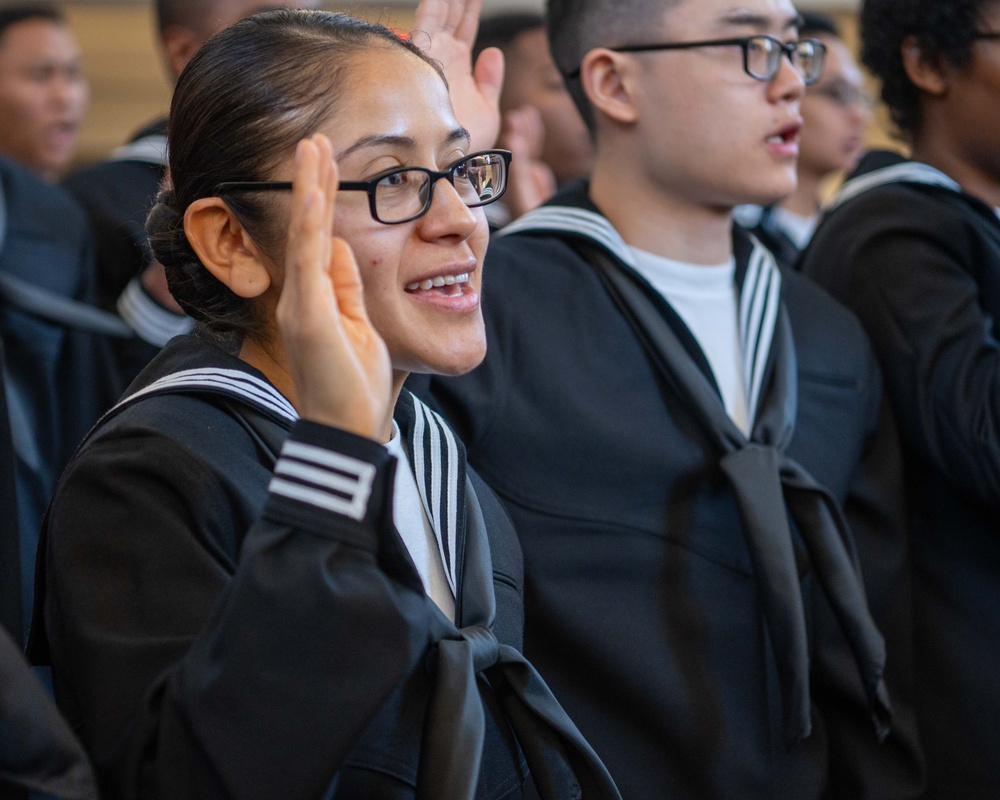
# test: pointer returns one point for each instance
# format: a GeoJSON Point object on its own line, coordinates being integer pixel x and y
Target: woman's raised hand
{"type": "Point", "coordinates": [475, 91]}
{"type": "Point", "coordinates": [531, 181]}
{"type": "Point", "coordinates": [337, 360]}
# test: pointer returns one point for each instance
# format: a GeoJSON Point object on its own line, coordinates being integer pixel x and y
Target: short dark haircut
{"type": "Point", "coordinates": [238, 111]}
{"type": "Point", "coordinates": [193, 14]}
{"type": "Point", "coordinates": [578, 26]}
{"type": "Point", "coordinates": [179, 12]}
{"type": "Point", "coordinates": [944, 30]}
{"type": "Point", "coordinates": [811, 25]}
{"type": "Point", "coordinates": [25, 12]}
{"type": "Point", "coordinates": [499, 30]}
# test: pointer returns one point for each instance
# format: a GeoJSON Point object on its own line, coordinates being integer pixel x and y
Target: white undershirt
{"type": "Point", "coordinates": [795, 226]}
{"type": "Point", "coordinates": [705, 299]}
{"type": "Point", "coordinates": [415, 529]}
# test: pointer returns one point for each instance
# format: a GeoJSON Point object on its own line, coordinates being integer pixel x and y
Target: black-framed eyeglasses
{"type": "Point", "coordinates": [845, 95]}
{"type": "Point", "coordinates": [405, 194]}
{"type": "Point", "coordinates": [761, 54]}
{"type": "Point", "coordinates": [986, 35]}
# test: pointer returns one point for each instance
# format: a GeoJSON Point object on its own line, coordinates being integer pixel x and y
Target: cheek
{"type": "Point", "coordinates": [480, 238]}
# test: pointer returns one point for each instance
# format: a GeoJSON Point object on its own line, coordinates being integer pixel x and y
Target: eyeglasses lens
{"type": "Point", "coordinates": [764, 54]}
{"type": "Point", "coordinates": [405, 193]}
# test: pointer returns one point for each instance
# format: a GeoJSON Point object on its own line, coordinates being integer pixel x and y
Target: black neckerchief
{"type": "Point", "coordinates": [768, 484]}
{"type": "Point", "coordinates": [561, 761]}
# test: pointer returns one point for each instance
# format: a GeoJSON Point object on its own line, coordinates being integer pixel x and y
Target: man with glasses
{"type": "Point", "coordinates": [677, 429]}
{"type": "Point", "coordinates": [912, 246]}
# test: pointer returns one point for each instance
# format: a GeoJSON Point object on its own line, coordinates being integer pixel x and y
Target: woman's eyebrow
{"type": "Point", "coordinates": [458, 135]}
{"type": "Point", "coordinates": [403, 142]}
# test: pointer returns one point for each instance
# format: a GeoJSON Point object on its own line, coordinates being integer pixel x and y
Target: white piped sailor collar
{"type": "Point", "coordinates": [243, 386]}
{"type": "Point", "coordinates": [904, 172]}
{"type": "Point", "coordinates": [759, 290]}
{"type": "Point", "coordinates": [150, 149]}
{"type": "Point", "coordinates": [438, 461]}
{"type": "Point", "coordinates": [151, 321]}
{"type": "Point", "coordinates": [576, 221]}
{"type": "Point", "coordinates": [436, 455]}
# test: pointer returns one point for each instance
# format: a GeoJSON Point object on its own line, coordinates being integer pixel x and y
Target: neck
{"type": "Point", "coordinates": [933, 147]}
{"type": "Point", "coordinates": [398, 379]}
{"type": "Point", "coordinates": [270, 360]}
{"type": "Point", "coordinates": [804, 201]}
{"type": "Point", "coordinates": [668, 225]}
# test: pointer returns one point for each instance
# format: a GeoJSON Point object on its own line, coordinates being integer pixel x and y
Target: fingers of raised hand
{"type": "Point", "coordinates": [337, 360]}
{"type": "Point", "coordinates": [453, 17]}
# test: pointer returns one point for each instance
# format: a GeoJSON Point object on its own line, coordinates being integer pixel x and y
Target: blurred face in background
{"type": "Point", "coordinates": [835, 112]}
{"type": "Point", "coordinates": [205, 18]}
{"type": "Point", "coordinates": [532, 79]}
{"type": "Point", "coordinates": [43, 95]}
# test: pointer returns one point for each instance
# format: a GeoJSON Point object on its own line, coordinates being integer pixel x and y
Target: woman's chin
{"type": "Point", "coordinates": [451, 364]}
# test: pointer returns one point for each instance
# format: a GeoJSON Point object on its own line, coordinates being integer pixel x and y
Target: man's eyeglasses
{"type": "Point", "coordinates": [845, 95]}
{"type": "Point", "coordinates": [761, 54]}
{"type": "Point", "coordinates": [402, 195]}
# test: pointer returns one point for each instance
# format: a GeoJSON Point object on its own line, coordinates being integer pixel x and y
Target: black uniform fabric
{"type": "Point", "coordinates": [117, 195]}
{"type": "Point", "coordinates": [57, 378]}
{"type": "Point", "coordinates": [641, 605]}
{"type": "Point", "coordinates": [10, 549]}
{"type": "Point", "coordinates": [212, 638]}
{"type": "Point", "coordinates": [920, 266]}
{"type": "Point", "coordinates": [37, 749]}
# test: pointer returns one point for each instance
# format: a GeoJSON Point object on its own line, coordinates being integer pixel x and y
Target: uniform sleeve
{"type": "Point", "coordinates": [861, 767]}
{"type": "Point", "coordinates": [193, 673]}
{"type": "Point", "coordinates": [915, 293]}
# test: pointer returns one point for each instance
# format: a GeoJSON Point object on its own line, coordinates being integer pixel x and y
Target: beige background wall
{"type": "Point", "coordinates": [128, 82]}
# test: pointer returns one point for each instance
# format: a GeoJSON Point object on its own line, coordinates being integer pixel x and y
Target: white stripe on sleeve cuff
{"type": "Point", "coordinates": [324, 479]}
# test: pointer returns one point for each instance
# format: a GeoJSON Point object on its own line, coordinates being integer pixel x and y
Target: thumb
{"type": "Point", "coordinates": [488, 74]}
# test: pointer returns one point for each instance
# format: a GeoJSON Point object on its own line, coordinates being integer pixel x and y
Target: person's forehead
{"type": "Point", "coordinates": [38, 37]}
{"type": "Point", "coordinates": [725, 15]}
{"type": "Point", "coordinates": [389, 82]}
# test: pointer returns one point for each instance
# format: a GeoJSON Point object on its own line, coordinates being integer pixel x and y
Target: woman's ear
{"type": "Point", "coordinates": [606, 79]}
{"type": "Point", "coordinates": [929, 75]}
{"type": "Point", "coordinates": [225, 248]}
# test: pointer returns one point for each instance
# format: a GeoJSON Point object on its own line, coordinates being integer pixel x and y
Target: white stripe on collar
{"type": "Point", "coordinates": [151, 321]}
{"type": "Point", "coordinates": [229, 381]}
{"type": "Point", "coordinates": [760, 299]}
{"type": "Point", "coordinates": [435, 466]}
{"type": "Point", "coordinates": [579, 221]}
{"type": "Point", "coordinates": [760, 295]}
{"type": "Point", "coordinates": [906, 172]}
{"type": "Point", "coordinates": [149, 149]}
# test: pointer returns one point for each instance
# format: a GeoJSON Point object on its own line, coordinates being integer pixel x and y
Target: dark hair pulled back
{"type": "Point", "coordinates": [239, 108]}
